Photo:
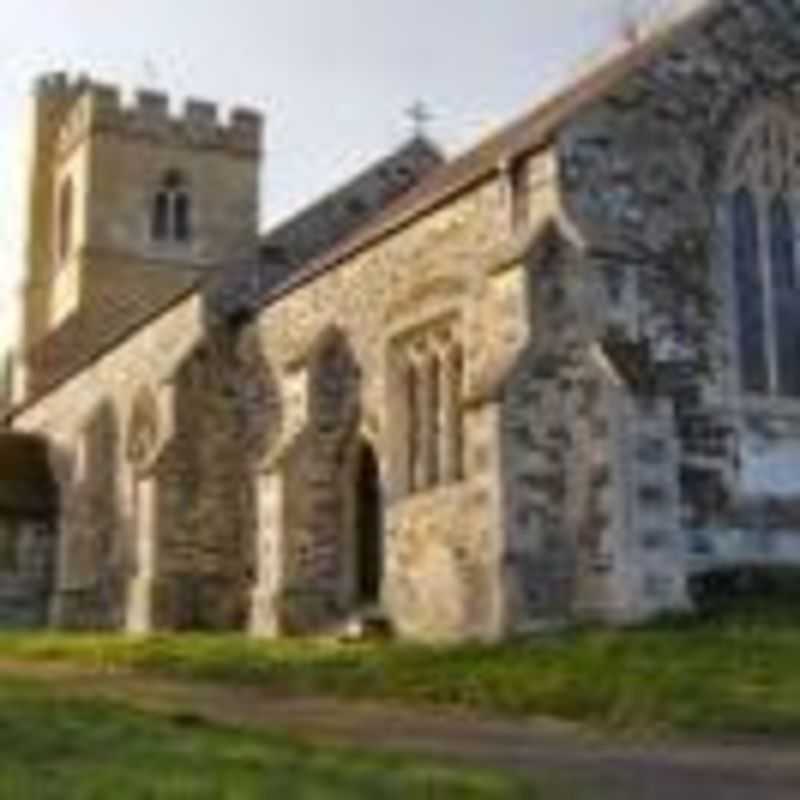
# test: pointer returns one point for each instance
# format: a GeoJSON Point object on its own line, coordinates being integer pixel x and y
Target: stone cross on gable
{"type": "Point", "coordinates": [420, 116]}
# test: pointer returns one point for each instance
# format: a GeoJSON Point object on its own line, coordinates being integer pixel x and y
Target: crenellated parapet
{"type": "Point", "coordinates": [98, 108]}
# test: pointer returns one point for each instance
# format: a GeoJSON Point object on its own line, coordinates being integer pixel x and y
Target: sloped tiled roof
{"type": "Point", "coordinates": [323, 225]}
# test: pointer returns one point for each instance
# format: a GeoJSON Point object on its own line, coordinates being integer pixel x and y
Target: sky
{"type": "Point", "coordinates": [334, 77]}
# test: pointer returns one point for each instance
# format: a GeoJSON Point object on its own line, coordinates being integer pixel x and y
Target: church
{"type": "Point", "coordinates": [553, 379]}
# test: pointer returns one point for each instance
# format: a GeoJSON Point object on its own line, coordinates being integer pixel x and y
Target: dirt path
{"type": "Point", "coordinates": [576, 763]}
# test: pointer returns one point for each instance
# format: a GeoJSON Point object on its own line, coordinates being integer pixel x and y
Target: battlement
{"type": "Point", "coordinates": [97, 107]}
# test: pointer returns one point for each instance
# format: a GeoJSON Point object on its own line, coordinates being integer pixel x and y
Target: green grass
{"type": "Point", "coordinates": [741, 675]}
{"type": "Point", "coordinates": [78, 750]}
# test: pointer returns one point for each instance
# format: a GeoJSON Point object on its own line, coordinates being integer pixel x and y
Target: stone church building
{"type": "Point", "coordinates": [551, 379]}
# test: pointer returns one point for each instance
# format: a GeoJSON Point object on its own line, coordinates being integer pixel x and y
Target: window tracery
{"type": "Point", "coordinates": [431, 375]}
{"type": "Point", "coordinates": [763, 181]}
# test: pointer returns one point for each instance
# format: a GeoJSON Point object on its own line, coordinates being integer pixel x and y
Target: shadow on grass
{"type": "Point", "coordinates": [730, 673]}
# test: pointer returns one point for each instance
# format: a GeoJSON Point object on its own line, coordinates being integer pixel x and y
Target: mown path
{"type": "Point", "coordinates": [576, 763]}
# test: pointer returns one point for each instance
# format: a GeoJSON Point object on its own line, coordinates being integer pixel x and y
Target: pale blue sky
{"type": "Point", "coordinates": [333, 76]}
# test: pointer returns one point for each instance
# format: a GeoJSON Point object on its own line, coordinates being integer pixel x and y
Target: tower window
{"type": "Point", "coordinates": [171, 212]}
{"type": "Point", "coordinates": [182, 214]}
{"type": "Point", "coordinates": [64, 233]}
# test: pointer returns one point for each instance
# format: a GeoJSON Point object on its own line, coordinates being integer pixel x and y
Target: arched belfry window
{"type": "Point", "coordinates": [65, 221]}
{"type": "Point", "coordinates": [763, 185]}
{"type": "Point", "coordinates": [172, 210]}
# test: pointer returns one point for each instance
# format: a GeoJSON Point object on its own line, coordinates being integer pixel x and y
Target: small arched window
{"type": "Point", "coordinates": [172, 210]}
{"type": "Point", "coordinates": [64, 232]}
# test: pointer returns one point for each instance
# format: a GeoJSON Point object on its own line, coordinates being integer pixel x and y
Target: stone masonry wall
{"type": "Point", "coordinates": [595, 399]}
{"type": "Point", "coordinates": [26, 572]}
{"type": "Point", "coordinates": [85, 422]}
{"type": "Point", "coordinates": [204, 556]}
{"type": "Point", "coordinates": [442, 561]}
{"type": "Point", "coordinates": [643, 170]}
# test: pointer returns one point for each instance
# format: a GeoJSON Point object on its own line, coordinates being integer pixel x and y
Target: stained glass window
{"type": "Point", "coordinates": [749, 293]}
{"type": "Point", "coordinates": [764, 178]}
{"type": "Point", "coordinates": [786, 297]}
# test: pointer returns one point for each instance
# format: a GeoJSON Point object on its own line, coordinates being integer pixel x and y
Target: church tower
{"type": "Point", "coordinates": [128, 208]}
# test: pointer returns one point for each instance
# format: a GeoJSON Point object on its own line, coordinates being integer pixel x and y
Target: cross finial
{"type": "Point", "coordinates": [420, 116]}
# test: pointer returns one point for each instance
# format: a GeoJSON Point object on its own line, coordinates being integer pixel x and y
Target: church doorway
{"type": "Point", "coordinates": [369, 528]}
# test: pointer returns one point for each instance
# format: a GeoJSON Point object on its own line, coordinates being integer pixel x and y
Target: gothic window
{"type": "Point", "coordinates": [431, 376]}
{"type": "Point", "coordinates": [171, 219]}
{"type": "Point", "coordinates": [64, 233]}
{"type": "Point", "coordinates": [763, 181]}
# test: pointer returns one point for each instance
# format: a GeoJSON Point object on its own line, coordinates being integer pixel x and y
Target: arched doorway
{"type": "Point", "coordinates": [369, 528]}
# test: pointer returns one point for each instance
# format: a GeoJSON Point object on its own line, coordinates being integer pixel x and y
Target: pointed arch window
{"type": "Point", "coordinates": [429, 374]}
{"type": "Point", "coordinates": [765, 183]}
{"type": "Point", "coordinates": [171, 213]}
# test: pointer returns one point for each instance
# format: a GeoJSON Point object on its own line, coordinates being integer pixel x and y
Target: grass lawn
{"type": "Point", "coordinates": [740, 675]}
{"type": "Point", "coordinates": [80, 750]}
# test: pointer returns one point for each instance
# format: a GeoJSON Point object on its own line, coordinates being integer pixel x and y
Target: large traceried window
{"type": "Point", "coordinates": [763, 183]}
{"type": "Point", "coordinates": [431, 373]}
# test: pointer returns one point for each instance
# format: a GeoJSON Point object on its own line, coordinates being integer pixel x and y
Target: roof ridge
{"type": "Point", "coordinates": [347, 183]}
